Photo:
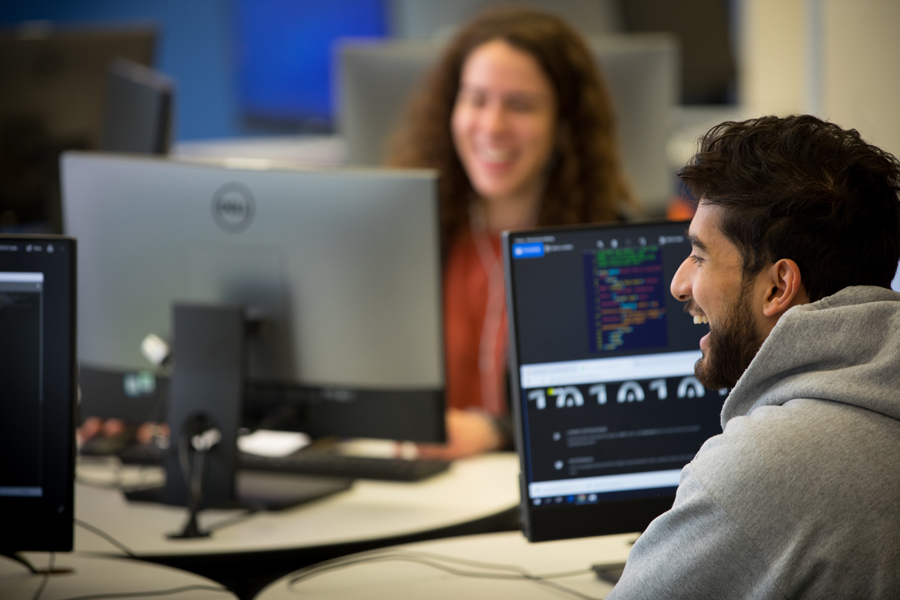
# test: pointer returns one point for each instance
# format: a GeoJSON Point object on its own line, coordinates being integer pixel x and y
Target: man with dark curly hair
{"type": "Point", "coordinates": [795, 241]}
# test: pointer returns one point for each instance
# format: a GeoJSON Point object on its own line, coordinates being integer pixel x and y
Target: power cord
{"type": "Point", "coordinates": [130, 554]}
{"type": "Point", "coordinates": [40, 590]}
{"type": "Point", "coordinates": [169, 592]}
{"type": "Point", "coordinates": [50, 570]}
{"type": "Point", "coordinates": [106, 537]}
{"type": "Point", "coordinates": [198, 434]}
{"type": "Point", "coordinates": [21, 560]}
{"type": "Point", "coordinates": [436, 561]}
{"type": "Point", "coordinates": [231, 521]}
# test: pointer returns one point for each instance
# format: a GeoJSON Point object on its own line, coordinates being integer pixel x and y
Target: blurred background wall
{"type": "Point", "coordinates": [832, 57]}
{"type": "Point", "coordinates": [252, 69]}
{"type": "Point", "coordinates": [229, 57]}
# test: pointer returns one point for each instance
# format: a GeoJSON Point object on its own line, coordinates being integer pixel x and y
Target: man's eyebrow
{"type": "Point", "coordinates": [696, 242]}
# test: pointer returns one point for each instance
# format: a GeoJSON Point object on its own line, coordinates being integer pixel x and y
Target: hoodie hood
{"type": "Point", "coordinates": [843, 348]}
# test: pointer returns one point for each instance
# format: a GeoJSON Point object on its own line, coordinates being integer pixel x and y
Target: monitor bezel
{"type": "Point", "coordinates": [47, 524]}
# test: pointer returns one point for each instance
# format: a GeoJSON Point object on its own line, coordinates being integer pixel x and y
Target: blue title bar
{"type": "Point", "coordinates": [532, 250]}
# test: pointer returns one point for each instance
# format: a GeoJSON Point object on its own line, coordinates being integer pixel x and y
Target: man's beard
{"type": "Point", "coordinates": [731, 346]}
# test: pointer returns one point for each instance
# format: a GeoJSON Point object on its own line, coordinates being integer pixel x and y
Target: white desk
{"type": "Point", "coordinates": [396, 580]}
{"type": "Point", "coordinates": [92, 576]}
{"type": "Point", "coordinates": [371, 511]}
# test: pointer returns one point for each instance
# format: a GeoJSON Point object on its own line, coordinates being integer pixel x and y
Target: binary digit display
{"type": "Point", "coordinates": [625, 298]}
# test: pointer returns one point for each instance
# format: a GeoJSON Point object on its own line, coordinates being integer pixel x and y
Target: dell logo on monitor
{"type": "Point", "coordinates": [233, 207]}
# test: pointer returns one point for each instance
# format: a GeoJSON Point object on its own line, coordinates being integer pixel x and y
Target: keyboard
{"type": "Point", "coordinates": [311, 462]}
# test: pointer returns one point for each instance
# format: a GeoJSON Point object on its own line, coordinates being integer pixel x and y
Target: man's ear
{"type": "Point", "coordinates": [784, 288]}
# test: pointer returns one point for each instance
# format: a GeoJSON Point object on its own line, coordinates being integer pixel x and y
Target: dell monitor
{"type": "Point", "coordinates": [607, 407]}
{"type": "Point", "coordinates": [338, 272]}
{"type": "Point", "coordinates": [37, 393]}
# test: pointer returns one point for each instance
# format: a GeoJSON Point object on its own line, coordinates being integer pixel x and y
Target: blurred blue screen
{"type": "Point", "coordinates": [283, 51]}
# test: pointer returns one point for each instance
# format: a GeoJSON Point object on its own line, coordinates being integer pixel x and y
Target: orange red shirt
{"type": "Point", "coordinates": [475, 324]}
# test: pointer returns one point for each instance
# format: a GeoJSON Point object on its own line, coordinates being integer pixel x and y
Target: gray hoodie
{"type": "Point", "coordinates": [799, 497]}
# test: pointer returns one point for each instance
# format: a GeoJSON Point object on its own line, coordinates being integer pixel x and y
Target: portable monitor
{"type": "Point", "coordinates": [607, 407]}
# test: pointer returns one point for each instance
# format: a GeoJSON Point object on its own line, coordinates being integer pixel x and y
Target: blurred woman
{"type": "Point", "coordinates": [518, 122]}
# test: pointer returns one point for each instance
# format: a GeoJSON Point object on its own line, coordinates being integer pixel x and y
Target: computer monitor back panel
{"type": "Point", "coordinates": [53, 83]}
{"type": "Point", "coordinates": [602, 367]}
{"type": "Point", "coordinates": [340, 267]}
{"type": "Point", "coordinates": [37, 392]}
{"type": "Point", "coordinates": [414, 19]}
{"type": "Point", "coordinates": [137, 114]}
{"type": "Point", "coordinates": [377, 80]}
{"type": "Point", "coordinates": [59, 76]}
{"type": "Point", "coordinates": [642, 75]}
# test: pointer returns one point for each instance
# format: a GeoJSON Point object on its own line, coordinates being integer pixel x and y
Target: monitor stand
{"type": "Point", "coordinates": [205, 400]}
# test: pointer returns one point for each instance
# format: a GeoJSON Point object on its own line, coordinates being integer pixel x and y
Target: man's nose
{"type": "Point", "coordinates": [681, 283]}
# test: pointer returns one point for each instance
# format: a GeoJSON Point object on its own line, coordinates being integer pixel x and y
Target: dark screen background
{"type": "Point", "coordinates": [41, 523]}
{"type": "Point", "coordinates": [20, 410]}
{"type": "Point", "coordinates": [551, 307]}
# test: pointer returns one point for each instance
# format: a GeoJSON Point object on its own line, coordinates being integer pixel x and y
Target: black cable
{"type": "Point", "coordinates": [379, 554]}
{"type": "Point", "coordinates": [198, 474]}
{"type": "Point", "coordinates": [183, 457]}
{"type": "Point", "coordinates": [106, 536]}
{"type": "Point", "coordinates": [193, 474]}
{"type": "Point", "coordinates": [433, 560]}
{"type": "Point", "coordinates": [232, 520]}
{"type": "Point", "coordinates": [460, 573]}
{"type": "Point", "coordinates": [498, 566]}
{"type": "Point", "coordinates": [186, 588]}
{"type": "Point", "coordinates": [20, 560]}
{"type": "Point", "coordinates": [130, 554]}
{"type": "Point", "coordinates": [118, 486]}
{"type": "Point", "coordinates": [40, 590]}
